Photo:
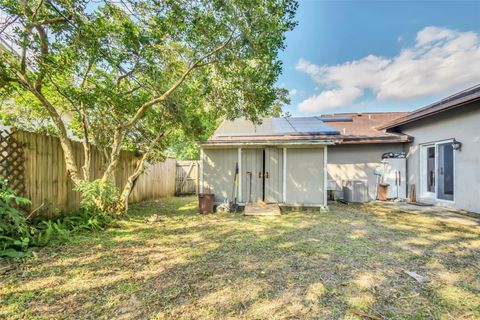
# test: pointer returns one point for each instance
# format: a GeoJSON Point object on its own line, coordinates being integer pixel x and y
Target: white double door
{"type": "Point", "coordinates": [262, 176]}
{"type": "Point", "coordinates": [437, 171]}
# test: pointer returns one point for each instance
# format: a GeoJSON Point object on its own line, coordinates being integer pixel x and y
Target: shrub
{"type": "Point", "coordinates": [15, 232]}
{"type": "Point", "coordinates": [98, 196]}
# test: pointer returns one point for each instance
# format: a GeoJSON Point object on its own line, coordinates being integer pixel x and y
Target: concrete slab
{"type": "Point", "coordinates": [441, 212]}
{"type": "Point", "coordinates": [262, 209]}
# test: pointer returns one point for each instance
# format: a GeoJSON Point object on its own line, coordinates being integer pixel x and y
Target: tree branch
{"type": "Point", "coordinates": [48, 21]}
{"type": "Point", "coordinates": [126, 75]}
{"type": "Point", "coordinates": [128, 188]}
{"type": "Point", "coordinates": [8, 23]}
{"type": "Point", "coordinates": [167, 93]}
{"type": "Point", "coordinates": [131, 90]}
{"type": "Point", "coordinates": [67, 147]}
{"type": "Point", "coordinates": [43, 53]}
{"type": "Point", "coordinates": [85, 75]}
{"type": "Point", "coordinates": [35, 12]}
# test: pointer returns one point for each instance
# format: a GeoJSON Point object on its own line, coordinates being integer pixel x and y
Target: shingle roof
{"type": "Point", "coordinates": [454, 101]}
{"type": "Point", "coordinates": [363, 125]}
{"type": "Point", "coordinates": [340, 128]}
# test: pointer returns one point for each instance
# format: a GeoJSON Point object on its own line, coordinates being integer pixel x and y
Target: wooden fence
{"type": "Point", "coordinates": [47, 185]}
{"type": "Point", "coordinates": [187, 177]}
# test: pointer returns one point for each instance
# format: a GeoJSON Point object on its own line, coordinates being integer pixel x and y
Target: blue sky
{"type": "Point", "coordinates": [363, 56]}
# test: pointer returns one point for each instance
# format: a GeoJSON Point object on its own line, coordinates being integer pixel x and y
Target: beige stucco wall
{"type": "Point", "coordinates": [304, 179]}
{"type": "Point", "coordinates": [463, 124]}
{"type": "Point", "coordinates": [252, 161]}
{"type": "Point", "coordinates": [357, 162]}
{"type": "Point", "coordinates": [305, 176]}
{"type": "Point", "coordinates": [218, 172]}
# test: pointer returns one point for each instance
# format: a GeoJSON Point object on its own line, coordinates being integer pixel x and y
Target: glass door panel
{"type": "Point", "coordinates": [445, 171]}
{"type": "Point", "coordinates": [430, 178]}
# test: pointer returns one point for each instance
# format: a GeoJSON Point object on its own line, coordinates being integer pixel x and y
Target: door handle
{"type": "Point", "coordinates": [259, 175]}
{"type": "Point", "coordinates": [266, 175]}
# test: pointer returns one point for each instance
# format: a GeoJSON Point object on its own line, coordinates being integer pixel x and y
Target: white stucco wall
{"type": "Point", "coordinates": [357, 162]}
{"type": "Point", "coordinates": [463, 124]}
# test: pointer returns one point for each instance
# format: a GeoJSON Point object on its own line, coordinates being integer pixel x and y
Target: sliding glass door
{"type": "Point", "coordinates": [437, 171]}
{"type": "Point", "coordinates": [445, 170]}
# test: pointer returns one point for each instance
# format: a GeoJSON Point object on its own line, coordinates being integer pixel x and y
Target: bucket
{"type": "Point", "coordinates": [382, 191]}
{"type": "Point", "coordinates": [205, 203]}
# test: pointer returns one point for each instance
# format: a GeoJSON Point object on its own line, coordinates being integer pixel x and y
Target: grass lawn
{"type": "Point", "coordinates": [327, 265]}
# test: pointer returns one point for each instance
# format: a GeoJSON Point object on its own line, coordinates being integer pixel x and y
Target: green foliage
{"type": "Point", "coordinates": [63, 230]}
{"type": "Point", "coordinates": [15, 233]}
{"type": "Point", "coordinates": [155, 43]}
{"type": "Point", "coordinates": [98, 196]}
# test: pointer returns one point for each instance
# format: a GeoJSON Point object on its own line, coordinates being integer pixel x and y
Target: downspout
{"type": "Point", "coordinates": [201, 169]}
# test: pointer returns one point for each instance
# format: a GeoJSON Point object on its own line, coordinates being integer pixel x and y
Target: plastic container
{"type": "Point", "coordinates": [383, 191]}
{"type": "Point", "coordinates": [205, 203]}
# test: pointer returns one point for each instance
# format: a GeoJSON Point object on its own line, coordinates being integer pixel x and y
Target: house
{"type": "Point", "coordinates": [293, 161]}
{"type": "Point", "coordinates": [281, 160]}
{"type": "Point", "coordinates": [443, 159]}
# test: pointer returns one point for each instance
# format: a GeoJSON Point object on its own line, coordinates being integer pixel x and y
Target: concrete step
{"type": "Point", "coordinates": [262, 209]}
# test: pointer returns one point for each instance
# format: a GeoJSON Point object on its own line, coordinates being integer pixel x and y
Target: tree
{"type": "Point", "coordinates": [140, 74]}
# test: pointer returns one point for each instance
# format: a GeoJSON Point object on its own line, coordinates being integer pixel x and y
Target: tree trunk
{"type": "Point", "coordinates": [71, 165]}
{"type": "Point", "coordinates": [127, 189]}
{"type": "Point", "coordinates": [109, 174]}
{"type": "Point", "coordinates": [87, 161]}
{"type": "Point", "coordinates": [86, 145]}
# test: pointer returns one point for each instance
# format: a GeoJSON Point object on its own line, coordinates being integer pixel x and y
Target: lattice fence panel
{"type": "Point", "coordinates": [12, 161]}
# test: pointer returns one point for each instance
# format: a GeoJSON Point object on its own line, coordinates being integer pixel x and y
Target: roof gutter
{"type": "Point", "coordinates": [265, 142]}
{"type": "Point", "coordinates": [424, 112]}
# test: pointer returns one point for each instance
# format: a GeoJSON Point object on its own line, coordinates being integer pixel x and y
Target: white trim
{"type": "Point", "coordinates": [284, 175]}
{"type": "Point", "coordinates": [239, 175]}
{"type": "Point", "coordinates": [423, 181]}
{"type": "Point", "coordinates": [422, 171]}
{"type": "Point", "coordinates": [234, 144]}
{"type": "Point", "coordinates": [201, 169]}
{"type": "Point", "coordinates": [436, 172]}
{"type": "Point", "coordinates": [325, 174]}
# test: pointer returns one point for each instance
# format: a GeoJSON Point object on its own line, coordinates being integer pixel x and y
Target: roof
{"type": "Point", "coordinates": [363, 126]}
{"type": "Point", "coordinates": [340, 128]}
{"type": "Point", "coordinates": [454, 101]}
{"type": "Point", "coordinates": [275, 127]}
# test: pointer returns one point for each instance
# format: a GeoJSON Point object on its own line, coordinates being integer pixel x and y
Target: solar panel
{"type": "Point", "coordinates": [311, 125]}
{"type": "Point", "coordinates": [336, 119]}
{"type": "Point", "coordinates": [276, 126]}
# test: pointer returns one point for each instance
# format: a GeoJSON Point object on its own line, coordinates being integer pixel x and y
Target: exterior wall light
{"type": "Point", "coordinates": [456, 145]}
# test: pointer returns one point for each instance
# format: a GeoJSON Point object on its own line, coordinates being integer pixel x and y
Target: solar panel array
{"type": "Point", "coordinates": [276, 126]}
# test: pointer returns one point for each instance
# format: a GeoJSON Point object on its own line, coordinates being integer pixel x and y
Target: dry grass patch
{"type": "Point", "coordinates": [299, 265]}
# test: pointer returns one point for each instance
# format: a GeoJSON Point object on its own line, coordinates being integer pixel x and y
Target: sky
{"type": "Point", "coordinates": [366, 56]}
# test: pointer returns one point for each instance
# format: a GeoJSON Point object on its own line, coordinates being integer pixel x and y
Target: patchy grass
{"type": "Point", "coordinates": [300, 265]}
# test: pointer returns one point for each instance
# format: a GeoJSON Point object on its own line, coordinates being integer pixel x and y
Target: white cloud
{"type": "Point", "coordinates": [330, 99]}
{"type": "Point", "coordinates": [293, 92]}
{"type": "Point", "coordinates": [441, 60]}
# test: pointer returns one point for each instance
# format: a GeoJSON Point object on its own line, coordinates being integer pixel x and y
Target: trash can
{"type": "Point", "coordinates": [382, 191]}
{"type": "Point", "coordinates": [205, 203]}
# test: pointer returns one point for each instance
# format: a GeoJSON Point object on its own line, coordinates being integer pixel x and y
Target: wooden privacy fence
{"type": "Point", "coordinates": [187, 177]}
{"type": "Point", "coordinates": [44, 177]}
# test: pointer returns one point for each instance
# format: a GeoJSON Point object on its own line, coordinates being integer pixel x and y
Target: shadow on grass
{"type": "Point", "coordinates": [299, 265]}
